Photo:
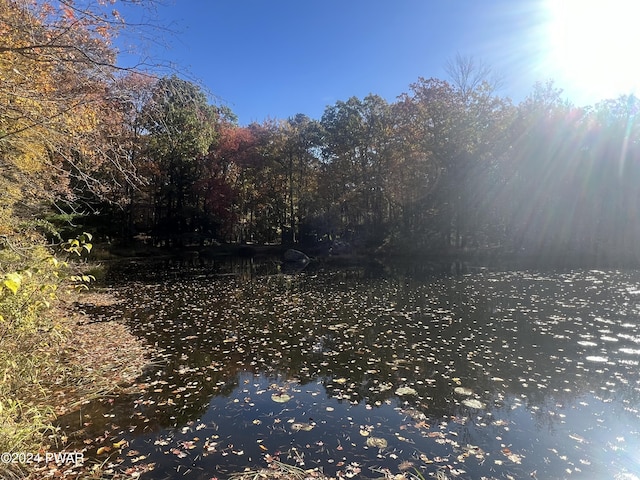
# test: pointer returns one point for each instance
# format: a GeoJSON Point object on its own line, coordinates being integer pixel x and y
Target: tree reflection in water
{"type": "Point", "coordinates": [484, 374]}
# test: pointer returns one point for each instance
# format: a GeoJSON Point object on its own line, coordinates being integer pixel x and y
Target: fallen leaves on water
{"type": "Point", "coordinates": [464, 391]}
{"type": "Point", "coordinates": [304, 427]}
{"type": "Point", "coordinates": [406, 391]}
{"type": "Point", "coordinates": [280, 397]}
{"type": "Point", "coordinates": [473, 403]}
{"type": "Point", "coordinates": [514, 457]}
{"type": "Point", "coordinates": [120, 444]}
{"type": "Point", "coordinates": [411, 349]}
{"type": "Point", "coordinates": [377, 442]}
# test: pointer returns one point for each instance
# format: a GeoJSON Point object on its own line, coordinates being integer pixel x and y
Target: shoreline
{"type": "Point", "coordinates": [487, 257]}
{"type": "Point", "coordinates": [95, 359]}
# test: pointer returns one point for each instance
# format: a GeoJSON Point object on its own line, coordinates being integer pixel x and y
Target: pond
{"type": "Point", "coordinates": [370, 371]}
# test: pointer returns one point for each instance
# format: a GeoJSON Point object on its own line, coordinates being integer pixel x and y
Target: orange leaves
{"type": "Point", "coordinates": [102, 31]}
{"type": "Point", "coordinates": [68, 13]}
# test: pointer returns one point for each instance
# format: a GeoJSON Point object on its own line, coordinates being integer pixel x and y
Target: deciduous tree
{"type": "Point", "coordinates": [179, 127]}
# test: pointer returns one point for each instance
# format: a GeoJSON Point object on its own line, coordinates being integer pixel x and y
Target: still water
{"type": "Point", "coordinates": [367, 371]}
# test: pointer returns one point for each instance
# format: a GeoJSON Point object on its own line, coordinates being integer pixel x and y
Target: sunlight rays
{"type": "Point", "coordinates": [591, 47]}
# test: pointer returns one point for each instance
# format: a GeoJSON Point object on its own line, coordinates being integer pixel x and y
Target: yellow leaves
{"type": "Point", "coordinates": [82, 278]}
{"type": "Point", "coordinates": [24, 99]}
{"type": "Point", "coordinates": [12, 281]}
{"type": "Point", "coordinates": [83, 120]}
{"type": "Point", "coordinates": [120, 444]}
{"type": "Point", "coordinates": [28, 156]}
{"type": "Point", "coordinates": [52, 103]}
{"type": "Point", "coordinates": [78, 245]}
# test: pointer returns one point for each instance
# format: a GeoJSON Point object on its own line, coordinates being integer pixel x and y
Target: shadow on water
{"type": "Point", "coordinates": [465, 370]}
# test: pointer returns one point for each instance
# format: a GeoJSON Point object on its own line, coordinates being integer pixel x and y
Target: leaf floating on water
{"type": "Point", "coordinates": [304, 427]}
{"type": "Point", "coordinates": [414, 414]}
{"type": "Point", "coordinates": [377, 442]}
{"type": "Point", "coordinates": [178, 453]}
{"type": "Point", "coordinates": [515, 458]}
{"type": "Point", "coordinates": [406, 391]}
{"type": "Point", "coordinates": [120, 444]}
{"type": "Point", "coordinates": [188, 444]}
{"type": "Point", "coordinates": [280, 397]}
{"type": "Point", "coordinates": [463, 391]}
{"type": "Point", "coordinates": [425, 459]}
{"type": "Point", "coordinates": [473, 403]}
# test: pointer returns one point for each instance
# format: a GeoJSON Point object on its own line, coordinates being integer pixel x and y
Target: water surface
{"type": "Point", "coordinates": [372, 370]}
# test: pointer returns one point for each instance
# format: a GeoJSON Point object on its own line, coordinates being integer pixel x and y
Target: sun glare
{"type": "Point", "coordinates": [592, 48]}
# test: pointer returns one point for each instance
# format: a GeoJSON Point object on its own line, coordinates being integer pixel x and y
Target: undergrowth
{"type": "Point", "coordinates": [32, 283]}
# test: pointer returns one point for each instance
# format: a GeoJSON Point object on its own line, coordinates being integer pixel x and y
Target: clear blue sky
{"type": "Point", "coordinates": [275, 58]}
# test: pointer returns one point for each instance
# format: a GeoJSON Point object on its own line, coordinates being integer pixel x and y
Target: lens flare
{"type": "Point", "coordinates": [590, 47]}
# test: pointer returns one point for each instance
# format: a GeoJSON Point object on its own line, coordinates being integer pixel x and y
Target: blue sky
{"type": "Point", "coordinates": [275, 58]}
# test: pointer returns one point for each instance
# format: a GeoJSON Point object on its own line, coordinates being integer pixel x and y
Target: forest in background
{"type": "Point", "coordinates": [131, 155]}
{"type": "Point", "coordinates": [448, 165]}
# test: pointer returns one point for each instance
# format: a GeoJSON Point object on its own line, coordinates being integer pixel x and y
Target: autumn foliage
{"type": "Point", "coordinates": [64, 142]}
{"type": "Point", "coordinates": [445, 168]}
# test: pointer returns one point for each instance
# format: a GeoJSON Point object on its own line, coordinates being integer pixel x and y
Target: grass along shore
{"type": "Point", "coordinates": [53, 370]}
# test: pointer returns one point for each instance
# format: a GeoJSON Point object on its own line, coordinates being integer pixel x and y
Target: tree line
{"type": "Point", "coordinates": [446, 166]}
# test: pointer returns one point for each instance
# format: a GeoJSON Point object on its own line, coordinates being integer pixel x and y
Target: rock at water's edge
{"type": "Point", "coordinates": [292, 255]}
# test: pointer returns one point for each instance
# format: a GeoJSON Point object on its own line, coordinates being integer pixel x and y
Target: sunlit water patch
{"type": "Point", "coordinates": [361, 372]}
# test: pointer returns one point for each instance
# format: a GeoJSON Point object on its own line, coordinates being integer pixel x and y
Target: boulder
{"type": "Point", "coordinates": [296, 256]}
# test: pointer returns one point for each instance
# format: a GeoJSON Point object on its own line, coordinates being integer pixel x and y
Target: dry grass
{"type": "Point", "coordinates": [77, 361]}
{"type": "Point", "coordinates": [98, 358]}
{"type": "Point", "coordinates": [278, 471]}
